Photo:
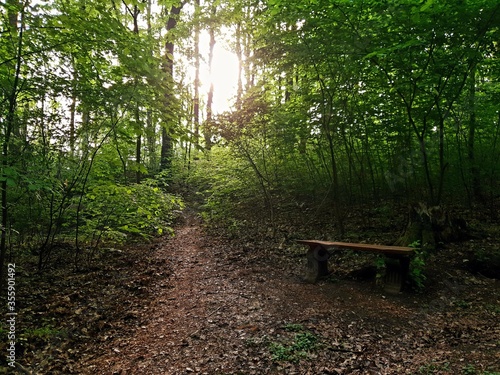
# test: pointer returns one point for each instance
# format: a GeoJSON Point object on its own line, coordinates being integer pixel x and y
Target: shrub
{"type": "Point", "coordinates": [302, 344]}
{"type": "Point", "coordinates": [417, 266]}
{"type": "Point", "coordinates": [116, 213]}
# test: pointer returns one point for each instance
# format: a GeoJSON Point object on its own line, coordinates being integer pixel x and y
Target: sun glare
{"type": "Point", "coordinates": [224, 75]}
{"type": "Point", "coordinates": [225, 78]}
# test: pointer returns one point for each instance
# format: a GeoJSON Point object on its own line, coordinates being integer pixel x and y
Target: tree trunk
{"type": "Point", "coordinates": [431, 226]}
{"type": "Point", "coordinates": [138, 142]}
{"type": "Point", "coordinates": [166, 138]}
{"type": "Point", "coordinates": [207, 131]}
{"type": "Point", "coordinates": [247, 45]}
{"type": "Point", "coordinates": [239, 55]}
{"type": "Point", "coordinates": [150, 133]}
{"type": "Point", "coordinates": [138, 148]}
{"type": "Point", "coordinates": [474, 169]}
{"type": "Point", "coordinates": [196, 99]}
{"type": "Point", "coordinates": [72, 113]}
{"type": "Point", "coordinates": [337, 200]}
{"type": "Point", "coordinates": [425, 160]}
{"type": "Point", "coordinates": [442, 163]}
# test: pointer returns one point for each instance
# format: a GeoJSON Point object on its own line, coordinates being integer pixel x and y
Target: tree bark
{"type": "Point", "coordinates": [431, 226]}
{"type": "Point", "coordinates": [138, 142]}
{"type": "Point", "coordinates": [150, 126]}
{"type": "Point", "coordinates": [166, 138]}
{"type": "Point", "coordinates": [196, 99]}
{"type": "Point", "coordinates": [239, 55]}
{"type": "Point", "coordinates": [474, 170]}
{"type": "Point", "coordinates": [72, 111]}
{"type": "Point", "coordinates": [207, 131]}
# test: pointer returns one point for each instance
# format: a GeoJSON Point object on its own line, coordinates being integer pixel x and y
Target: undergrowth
{"type": "Point", "coordinates": [299, 347]}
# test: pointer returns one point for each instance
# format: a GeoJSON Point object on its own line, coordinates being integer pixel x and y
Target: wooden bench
{"type": "Point", "coordinates": [396, 271]}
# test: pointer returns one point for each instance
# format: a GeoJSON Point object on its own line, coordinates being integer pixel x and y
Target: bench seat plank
{"type": "Point", "coordinates": [391, 250]}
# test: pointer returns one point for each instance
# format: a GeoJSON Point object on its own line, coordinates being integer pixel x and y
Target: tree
{"type": "Point", "coordinates": [12, 52]}
{"type": "Point", "coordinates": [209, 120]}
{"type": "Point", "coordinates": [167, 128]}
{"type": "Point", "coordinates": [409, 55]}
{"type": "Point", "coordinates": [365, 100]}
{"type": "Point", "coordinates": [78, 79]}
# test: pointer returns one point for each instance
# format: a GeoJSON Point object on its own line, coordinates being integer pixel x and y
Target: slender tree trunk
{"type": "Point", "coordinates": [249, 67]}
{"type": "Point", "coordinates": [148, 16]}
{"type": "Point", "coordinates": [239, 55]}
{"type": "Point", "coordinates": [336, 187]}
{"type": "Point", "coordinates": [329, 132]}
{"type": "Point", "coordinates": [442, 164]}
{"type": "Point", "coordinates": [166, 150]}
{"type": "Point", "coordinates": [423, 152]}
{"type": "Point", "coordinates": [493, 170]}
{"type": "Point", "coordinates": [84, 180]}
{"type": "Point", "coordinates": [138, 142]}
{"type": "Point", "coordinates": [210, 97]}
{"type": "Point", "coordinates": [427, 170]}
{"type": "Point", "coordinates": [72, 113]}
{"type": "Point", "coordinates": [166, 138]}
{"type": "Point", "coordinates": [150, 126]}
{"type": "Point", "coordinates": [474, 169]}
{"type": "Point", "coordinates": [138, 150]}
{"type": "Point", "coordinates": [151, 143]}
{"type": "Point", "coordinates": [196, 99]}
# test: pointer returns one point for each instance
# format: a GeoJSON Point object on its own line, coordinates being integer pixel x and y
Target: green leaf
{"type": "Point", "coordinates": [427, 5]}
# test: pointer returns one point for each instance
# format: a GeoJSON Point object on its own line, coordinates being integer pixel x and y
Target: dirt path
{"type": "Point", "coordinates": [187, 328]}
{"type": "Point", "coordinates": [227, 310]}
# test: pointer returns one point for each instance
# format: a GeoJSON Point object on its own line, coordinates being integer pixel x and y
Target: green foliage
{"type": "Point", "coordinates": [40, 335]}
{"type": "Point", "coordinates": [83, 98]}
{"type": "Point", "coordinates": [417, 267]}
{"type": "Point", "coordinates": [45, 332]}
{"type": "Point", "coordinates": [462, 304]}
{"type": "Point", "coordinates": [225, 185]}
{"type": "Point", "coordinates": [494, 309]}
{"type": "Point", "coordinates": [115, 213]}
{"type": "Point", "coordinates": [302, 344]}
{"type": "Point", "coordinates": [365, 113]}
{"type": "Point", "coordinates": [435, 368]}
{"type": "Point", "coordinates": [471, 370]}
{"type": "Point", "coordinates": [432, 368]}
{"type": "Point", "coordinates": [352, 102]}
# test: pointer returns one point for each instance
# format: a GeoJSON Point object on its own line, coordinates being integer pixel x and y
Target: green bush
{"type": "Point", "coordinates": [117, 213]}
{"type": "Point", "coordinates": [226, 185]}
{"type": "Point", "coordinates": [417, 266]}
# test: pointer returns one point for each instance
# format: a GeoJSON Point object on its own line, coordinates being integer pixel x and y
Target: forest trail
{"type": "Point", "coordinates": [199, 320]}
{"type": "Point", "coordinates": [196, 318]}
{"type": "Point", "coordinates": [226, 309]}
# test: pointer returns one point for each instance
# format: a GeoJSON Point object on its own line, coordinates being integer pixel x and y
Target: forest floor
{"type": "Point", "coordinates": [201, 303]}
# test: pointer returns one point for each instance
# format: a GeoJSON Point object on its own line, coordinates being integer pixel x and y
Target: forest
{"type": "Point", "coordinates": [123, 123]}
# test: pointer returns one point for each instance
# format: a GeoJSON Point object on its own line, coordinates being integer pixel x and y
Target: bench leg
{"type": "Point", "coordinates": [317, 263]}
{"type": "Point", "coordinates": [397, 269]}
